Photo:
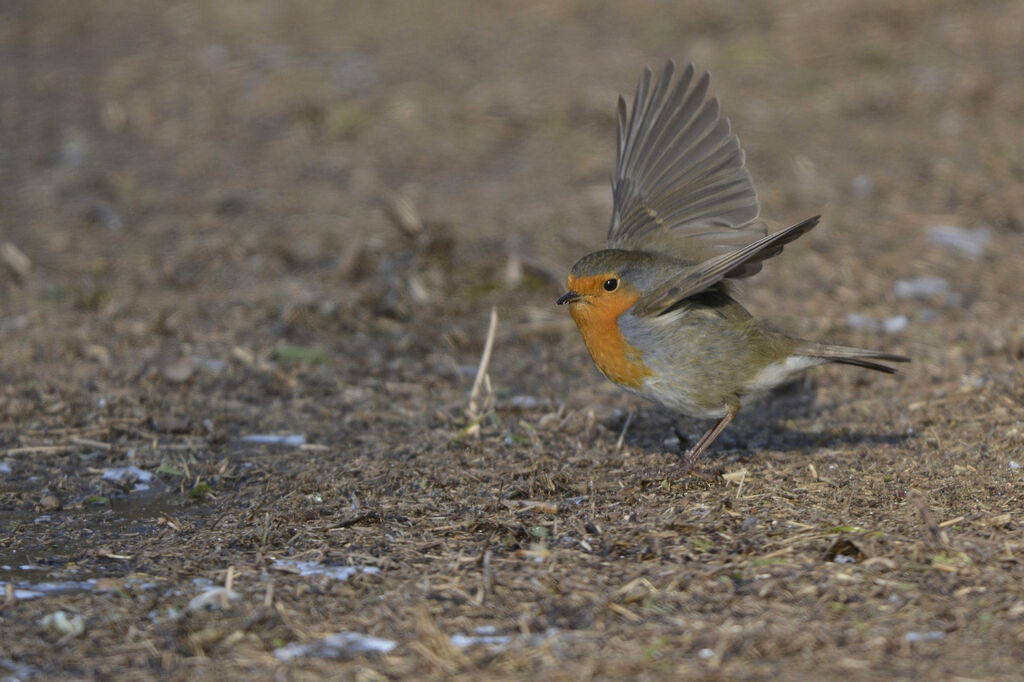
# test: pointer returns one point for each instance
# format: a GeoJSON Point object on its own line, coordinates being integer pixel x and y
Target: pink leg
{"type": "Point", "coordinates": [691, 457]}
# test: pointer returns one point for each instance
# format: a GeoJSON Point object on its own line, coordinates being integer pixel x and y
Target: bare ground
{"type": "Point", "coordinates": [230, 219]}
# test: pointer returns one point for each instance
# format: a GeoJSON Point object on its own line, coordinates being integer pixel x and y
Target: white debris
{"type": "Point", "coordinates": [921, 287]}
{"type": "Point", "coordinates": [890, 325]}
{"type": "Point", "coordinates": [862, 186]}
{"type": "Point", "coordinates": [858, 321]}
{"type": "Point", "coordinates": [15, 259]}
{"type": "Point", "coordinates": [971, 242]}
{"type": "Point", "coordinates": [13, 324]}
{"type": "Point", "coordinates": [314, 568]}
{"type": "Point", "coordinates": [67, 626]}
{"type": "Point", "coordinates": [27, 590]}
{"type": "Point", "coordinates": [129, 474]}
{"type": "Point", "coordinates": [1014, 465]}
{"type": "Point", "coordinates": [483, 636]}
{"type": "Point", "coordinates": [292, 440]}
{"type": "Point", "coordinates": [895, 324]}
{"type": "Point", "coordinates": [706, 653]}
{"type": "Point", "coordinates": [5, 468]}
{"type": "Point", "coordinates": [213, 598]}
{"type": "Point", "coordinates": [340, 645]}
{"type": "Point", "coordinates": [844, 559]}
{"type": "Point", "coordinates": [487, 636]}
{"type": "Point", "coordinates": [526, 402]}
{"type": "Point", "coordinates": [214, 366]}
{"type": "Point", "coordinates": [925, 636]}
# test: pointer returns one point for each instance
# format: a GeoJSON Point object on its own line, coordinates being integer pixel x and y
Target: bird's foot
{"type": "Point", "coordinates": [689, 465]}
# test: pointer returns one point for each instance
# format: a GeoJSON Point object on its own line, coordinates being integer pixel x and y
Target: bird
{"type": "Point", "coordinates": [656, 307]}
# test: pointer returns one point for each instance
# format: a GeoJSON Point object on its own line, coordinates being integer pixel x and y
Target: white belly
{"type": "Point", "coordinates": [779, 373]}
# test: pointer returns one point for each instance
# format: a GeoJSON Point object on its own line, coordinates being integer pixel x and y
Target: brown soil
{"type": "Point", "coordinates": [237, 218]}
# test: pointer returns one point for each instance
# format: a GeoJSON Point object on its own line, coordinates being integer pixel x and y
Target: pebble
{"type": "Point", "coordinates": [127, 473]}
{"type": "Point", "coordinates": [971, 242]}
{"type": "Point", "coordinates": [862, 186]}
{"type": "Point", "coordinates": [314, 568]}
{"type": "Point", "coordinates": [340, 645]}
{"type": "Point", "coordinates": [921, 287]}
{"type": "Point", "coordinates": [890, 325]}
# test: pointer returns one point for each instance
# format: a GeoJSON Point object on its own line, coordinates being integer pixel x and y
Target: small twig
{"type": "Point", "coordinates": [471, 429]}
{"type": "Point", "coordinates": [486, 581]}
{"type": "Point", "coordinates": [38, 448]}
{"type": "Point", "coordinates": [739, 488]}
{"type": "Point", "coordinates": [625, 428]}
{"type": "Point", "coordinates": [951, 522]}
{"type": "Point", "coordinates": [16, 260]}
{"type": "Point", "coordinates": [354, 520]}
{"type": "Point", "coordinates": [485, 360]}
{"type": "Point", "coordinates": [928, 517]}
{"type": "Point", "coordinates": [624, 612]}
{"type": "Point", "coordinates": [531, 505]}
{"type": "Point", "coordinates": [722, 647]}
{"type": "Point", "coordinates": [403, 215]}
{"type": "Point", "coordinates": [268, 597]}
{"type": "Point", "coordinates": [90, 443]}
{"type": "Point", "coordinates": [785, 551]}
{"type": "Point", "coordinates": [474, 408]}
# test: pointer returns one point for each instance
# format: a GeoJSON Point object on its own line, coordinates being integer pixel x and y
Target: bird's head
{"type": "Point", "coordinates": [612, 280]}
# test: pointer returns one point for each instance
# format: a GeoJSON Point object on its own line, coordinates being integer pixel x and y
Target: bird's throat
{"type": "Point", "coordinates": [617, 359]}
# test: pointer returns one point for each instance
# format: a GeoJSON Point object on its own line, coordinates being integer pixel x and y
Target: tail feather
{"type": "Point", "coordinates": [859, 357]}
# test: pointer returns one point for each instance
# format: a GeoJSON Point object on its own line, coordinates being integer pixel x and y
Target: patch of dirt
{"type": "Point", "coordinates": [241, 219]}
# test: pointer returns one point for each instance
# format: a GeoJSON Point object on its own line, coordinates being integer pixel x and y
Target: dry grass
{"type": "Point", "coordinates": [199, 244]}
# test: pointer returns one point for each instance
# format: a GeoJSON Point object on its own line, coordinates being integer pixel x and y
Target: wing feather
{"type": "Point", "coordinates": [680, 185]}
{"type": "Point", "coordinates": [694, 280]}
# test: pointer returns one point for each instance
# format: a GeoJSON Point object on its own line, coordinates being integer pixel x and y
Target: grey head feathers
{"type": "Point", "coordinates": [641, 269]}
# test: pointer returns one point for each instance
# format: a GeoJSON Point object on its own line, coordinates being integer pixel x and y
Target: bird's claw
{"type": "Point", "coordinates": [688, 466]}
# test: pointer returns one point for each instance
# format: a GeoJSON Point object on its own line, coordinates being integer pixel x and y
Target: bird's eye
{"type": "Point", "coordinates": [611, 284]}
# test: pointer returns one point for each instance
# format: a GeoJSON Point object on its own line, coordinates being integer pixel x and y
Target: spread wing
{"type": "Point", "coordinates": [693, 280]}
{"type": "Point", "coordinates": [680, 184]}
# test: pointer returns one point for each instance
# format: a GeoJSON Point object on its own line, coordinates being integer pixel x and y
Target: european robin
{"type": "Point", "coordinates": [655, 308]}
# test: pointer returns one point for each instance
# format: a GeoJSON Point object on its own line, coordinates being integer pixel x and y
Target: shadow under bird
{"type": "Point", "coordinates": [655, 308]}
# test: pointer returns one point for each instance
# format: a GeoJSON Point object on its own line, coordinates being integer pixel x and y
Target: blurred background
{"type": "Point", "coordinates": [187, 184]}
{"type": "Point", "coordinates": [183, 146]}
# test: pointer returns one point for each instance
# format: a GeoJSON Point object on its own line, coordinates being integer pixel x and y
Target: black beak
{"type": "Point", "coordinates": [567, 297]}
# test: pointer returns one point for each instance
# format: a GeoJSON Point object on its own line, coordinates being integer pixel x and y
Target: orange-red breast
{"type": "Point", "coordinates": [655, 307]}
